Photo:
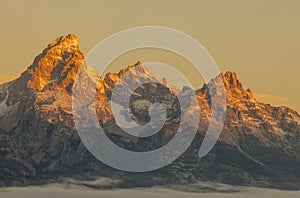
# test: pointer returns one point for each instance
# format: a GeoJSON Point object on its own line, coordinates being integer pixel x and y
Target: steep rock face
{"type": "Point", "coordinates": [244, 110]}
{"type": "Point", "coordinates": [57, 64]}
{"type": "Point", "coordinates": [37, 129]}
{"type": "Point", "coordinates": [266, 136]}
{"type": "Point", "coordinates": [259, 144]}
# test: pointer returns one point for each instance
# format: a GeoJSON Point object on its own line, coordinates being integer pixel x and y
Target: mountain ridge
{"type": "Point", "coordinates": [259, 144]}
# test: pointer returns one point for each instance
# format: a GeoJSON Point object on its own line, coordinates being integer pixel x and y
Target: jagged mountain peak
{"type": "Point", "coordinates": [232, 85]}
{"type": "Point", "coordinates": [56, 65]}
{"type": "Point", "coordinates": [136, 70]}
{"type": "Point", "coordinates": [231, 80]}
{"type": "Point", "coordinates": [234, 88]}
{"type": "Point", "coordinates": [133, 73]}
{"type": "Point", "coordinates": [70, 39]}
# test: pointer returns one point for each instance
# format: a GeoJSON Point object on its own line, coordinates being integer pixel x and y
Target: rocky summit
{"type": "Point", "coordinates": [259, 144]}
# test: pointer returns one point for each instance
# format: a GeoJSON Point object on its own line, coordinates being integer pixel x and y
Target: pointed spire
{"type": "Point", "coordinates": [58, 63]}
{"type": "Point", "coordinates": [232, 80]}
{"type": "Point", "coordinates": [139, 63]}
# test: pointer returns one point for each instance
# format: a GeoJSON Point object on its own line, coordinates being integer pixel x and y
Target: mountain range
{"type": "Point", "coordinates": [259, 144]}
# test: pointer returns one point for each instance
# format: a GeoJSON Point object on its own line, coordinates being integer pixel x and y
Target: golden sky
{"type": "Point", "coordinates": [257, 39]}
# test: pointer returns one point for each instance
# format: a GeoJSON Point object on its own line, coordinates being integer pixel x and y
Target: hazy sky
{"type": "Point", "coordinates": [257, 39]}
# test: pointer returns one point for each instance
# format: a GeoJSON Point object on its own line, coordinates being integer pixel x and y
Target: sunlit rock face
{"type": "Point", "coordinates": [57, 64]}
{"type": "Point", "coordinates": [259, 144]}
